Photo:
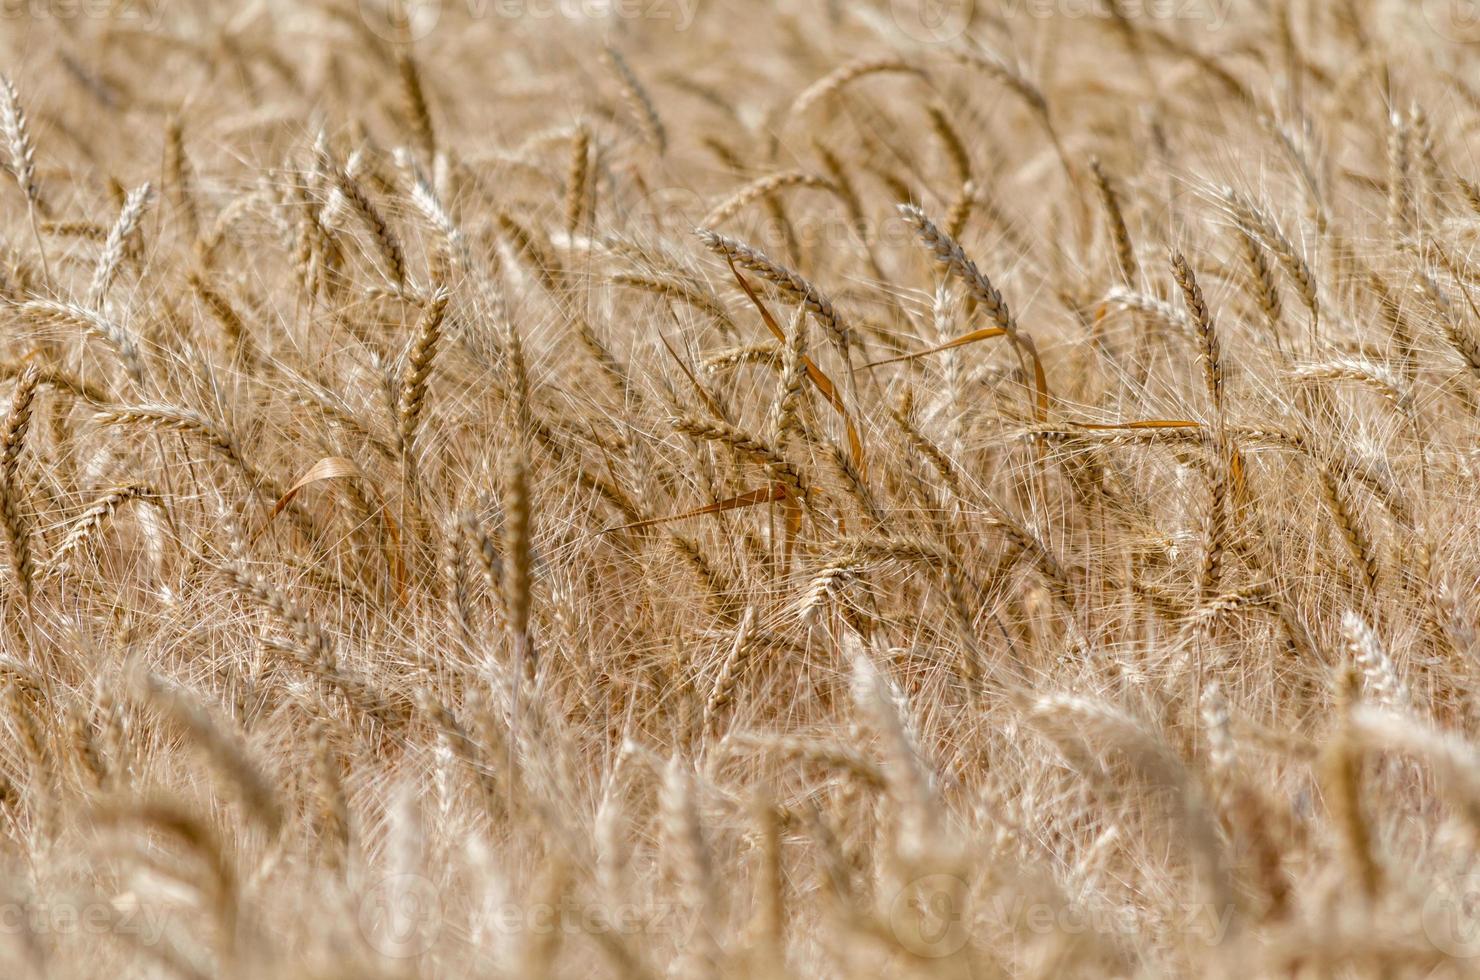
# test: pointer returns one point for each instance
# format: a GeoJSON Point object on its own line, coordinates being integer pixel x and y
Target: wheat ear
{"type": "Point", "coordinates": [948, 253]}
{"type": "Point", "coordinates": [16, 130]}
{"type": "Point", "coordinates": [12, 441]}
{"type": "Point", "coordinates": [120, 239]}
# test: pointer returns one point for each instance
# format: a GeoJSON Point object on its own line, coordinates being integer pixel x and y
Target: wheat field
{"type": "Point", "coordinates": [701, 488]}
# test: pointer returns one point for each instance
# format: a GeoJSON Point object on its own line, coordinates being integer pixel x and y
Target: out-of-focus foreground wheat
{"type": "Point", "coordinates": [721, 489]}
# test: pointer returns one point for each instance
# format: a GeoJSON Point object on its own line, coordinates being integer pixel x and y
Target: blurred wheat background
{"type": "Point", "coordinates": [700, 488]}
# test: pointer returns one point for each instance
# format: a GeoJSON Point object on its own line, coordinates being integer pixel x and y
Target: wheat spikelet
{"type": "Point", "coordinates": [788, 282]}
{"type": "Point", "coordinates": [1400, 202]}
{"type": "Point", "coordinates": [722, 690]}
{"type": "Point", "coordinates": [612, 368]}
{"type": "Point", "coordinates": [85, 746]}
{"type": "Point", "coordinates": [950, 139]}
{"type": "Point", "coordinates": [527, 246]}
{"type": "Point", "coordinates": [937, 458]}
{"type": "Point", "coordinates": [1125, 252]}
{"type": "Point", "coordinates": [22, 707]}
{"type": "Point", "coordinates": [1214, 710]}
{"type": "Point", "coordinates": [312, 649]}
{"type": "Point", "coordinates": [770, 914]}
{"type": "Point", "coordinates": [171, 418]}
{"type": "Point", "coordinates": [17, 133]}
{"type": "Point", "coordinates": [846, 75]}
{"type": "Point", "coordinates": [638, 100]}
{"type": "Point", "coordinates": [844, 187]}
{"type": "Point", "coordinates": [761, 187]}
{"type": "Point", "coordinates": [450, 252]}
{"type": "Point", "coordinates": [949, 254]}
{"type": "Point", "coordinates": [1380, 676]}
{"type": "Point", "coordinates": [313, 643]}
{"type": "Point", "coordinates": [997, 68]}
{"type": "Point", "coordinates": [1363, 372]}
{"type": "Point", "coordinates": [906, 774]}
{"type": "Point", "coordinates": [387, 245]}
{"type": "Point", "coordinates": [742, 442]}
{"type": "Point", "coordinates": [1254, 220]}
{"type": "Point", "coordinates": [1460, 337]}
{"type": "Point", "coordinates": [1471, 192]}
{"type": "Point", "coordinates": [674, 288]}
{"type": "Point", "coordinates": [223, 312]}
{"type": "Point", "coordinates": [177, 166]}
{"type": "Point", "coordinates": [1358, 543]}
{"type": "Point", "coordinates": [825, 584]}
{"type": "Point", "coordinates": [518, 573]}
{"type": "Point", "coordinates": [577, 177]}
{"type": "Point", "coordinates": [854, 481]}
{"type": "Point", "coordinates": [333, 809]}
{"type": "Point", "coordinates": [13, 431]}
{"type": "Point", "coordinates": [121, 238]}
{"type": "Point", "coordinates": [1197, 308]}
{"type": "Point", "coordinates": [785, 416]}
{"type": "Point", "coordinates": [1266, 290]}
{"type": "Point", "coordinates": [89, 230]}
{"type": "Point", "coordinates": [415, 100]}
{"type": "Point", "coordinates": [57, 378]}
{"type": "Point", "coordinates": [1151, 305]}
{"type": "Point", "coordinates": [419, 367]}
{"type": "Point", "coordinates": [215, 877]}
{"type": "Point", "coordinates": [611, 877]}
{"type": "Point", "coordinates": [90, 522]}
{"type": "Point", "coordinates": [731, 357]}
{"type": "Point", "coordinates": [1341, 769]}
{"type": "Point", "coordinates": [77, 317]}
{"type": "Point", "coordinates": [17, 422]}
